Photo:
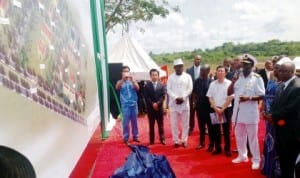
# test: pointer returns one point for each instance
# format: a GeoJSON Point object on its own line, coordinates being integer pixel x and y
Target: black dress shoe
{"type": "Point", "coordinates": [209, 149]}
{"type": "Point", "coordinates": [176, 145]}
{"type": "Point", "coordinates": [227, 153]}
{"type": "Point", "coordinates": [136, 140]}
{"type": "Point", "coordinates": [216, 152]}
{"type": "Point", "coordinates": [151, 143]}
{"type": "Point", "coordinates": [126, 142]}
{"type": "Point", "coordinates": [163, 142]}
{"type": "Point", "coordinates": [199, 147]}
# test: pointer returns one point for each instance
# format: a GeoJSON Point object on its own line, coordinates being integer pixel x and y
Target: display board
{"type": "Point", "coordinates": [48, 89]}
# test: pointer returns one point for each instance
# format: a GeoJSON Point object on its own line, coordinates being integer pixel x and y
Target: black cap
{"type": "Point", "coordinates": [14, 164]}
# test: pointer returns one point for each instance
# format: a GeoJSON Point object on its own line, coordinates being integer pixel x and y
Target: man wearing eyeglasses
{"type": "Point", "coordinates": [248, 88]}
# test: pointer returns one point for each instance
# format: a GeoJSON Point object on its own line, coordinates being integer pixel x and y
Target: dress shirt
{"type": "Point", "coordinates": [218, 92]}
{"type": "Point", "coordinates": [268, 72]}
{"type": "Point", "coordinates": [288, 82]}
{"type": "Point", "coordinates": [196, 72]}
{"type": "Point", "coordinates": [154, 85]}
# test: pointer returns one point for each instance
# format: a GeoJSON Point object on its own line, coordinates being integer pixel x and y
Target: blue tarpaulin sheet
{"type": "Point", "coordinates": [142, 164]}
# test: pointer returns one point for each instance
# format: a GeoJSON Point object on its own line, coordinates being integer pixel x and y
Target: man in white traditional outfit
{"type": "Point", "coordinates": [179, 87]}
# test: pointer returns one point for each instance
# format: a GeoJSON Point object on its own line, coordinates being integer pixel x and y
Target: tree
{"type": "Point", "coordinates": [125, 11]}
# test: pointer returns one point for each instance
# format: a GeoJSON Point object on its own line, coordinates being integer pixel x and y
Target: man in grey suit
{"type": "Point", "coordinates": [194, 72]}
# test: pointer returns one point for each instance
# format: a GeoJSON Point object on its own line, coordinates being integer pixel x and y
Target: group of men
{"type": "Point", "coordinates": [230, 98]}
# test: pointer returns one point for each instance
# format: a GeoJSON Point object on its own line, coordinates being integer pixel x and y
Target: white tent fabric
{"type": "Point", "coordinates": [130, 53]}
{"type": "Point", "coordinates": [297, 62]}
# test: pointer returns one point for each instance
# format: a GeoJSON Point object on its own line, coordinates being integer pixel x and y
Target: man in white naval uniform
{"type": "Point", "coordinates": [248, 88]}
{"type": "Point", "coordinates": [179, 87]}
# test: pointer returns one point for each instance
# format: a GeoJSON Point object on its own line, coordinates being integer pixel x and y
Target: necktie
{"type": "Point", "coordinates": [280, 89]}
{"type": "Point", "coordinates": [154, 85]}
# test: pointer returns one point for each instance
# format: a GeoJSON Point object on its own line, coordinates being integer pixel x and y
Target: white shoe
{"type": "Point", "coordinates": [255, 166]}
{"type": "Point", "coordinates": [239, 160]}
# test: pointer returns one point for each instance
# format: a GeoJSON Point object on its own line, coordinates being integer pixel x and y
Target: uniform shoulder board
{"type": "Point", "coordinates": [256, 75]}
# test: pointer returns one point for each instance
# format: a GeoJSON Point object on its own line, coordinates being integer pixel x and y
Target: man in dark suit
{"type": "Point", "coordinates": [235, 68]}
{"type": "Point", "coordinates": [203, 108]}
{"type": "Point", "coordinates": [265, 73]}
{"type": "Point", "coordinates": [154, 93]}
{"type": "Point", "coordinates": [284, 110]}
{"type": "Point", "coordinates": [194, 72]}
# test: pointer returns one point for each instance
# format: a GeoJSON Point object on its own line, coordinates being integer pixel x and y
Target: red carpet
{"type": "Point", "coordinates": [186, 162]}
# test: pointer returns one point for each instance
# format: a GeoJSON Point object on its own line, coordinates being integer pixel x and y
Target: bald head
{"type": "Point", "coordinates": [287, 71]}
{"type": "Point", "coordinates": [197, 60]}
{"type": "Point", "coordinates": [205, 70]}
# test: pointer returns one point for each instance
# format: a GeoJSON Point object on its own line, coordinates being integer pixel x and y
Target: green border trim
{"type": "Point", "coordinates": [95, 30]}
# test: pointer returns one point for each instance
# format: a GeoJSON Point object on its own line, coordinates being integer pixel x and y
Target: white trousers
{"type": "Point", "coordinates": [242, 131]}
{"type": "Point", "coordinates": [176, 117]}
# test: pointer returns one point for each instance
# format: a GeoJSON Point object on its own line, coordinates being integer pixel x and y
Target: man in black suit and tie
{"type": "Point", "coordinates": [154, 93]}
{"type": "Point", "coordinates": [194, 72]}
{"type": "Point", "coordinates": [265, 73]}
{"type": "Point", "coordinates": [285, 116]}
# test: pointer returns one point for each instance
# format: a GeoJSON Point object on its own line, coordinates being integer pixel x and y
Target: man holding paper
{"type": "Point", "coordinates": [221, 104]}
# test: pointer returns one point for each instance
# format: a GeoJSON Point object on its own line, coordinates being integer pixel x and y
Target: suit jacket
{"type": "Point", "coordinates": [285, 107]}
{"type": "Point", "coordinates": [232, 73]}
{"type": "Point", "coordinates": [263, 74]}
{"type": "Point", "coordinates": [154, 95]}
{"type": "Point", "coordinates": [192, 73]}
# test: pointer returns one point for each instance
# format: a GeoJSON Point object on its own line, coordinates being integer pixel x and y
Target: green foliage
{"type": "Point", "coordinates": [125, 11]}
{"type": "Point", "coordinates": [261, 51]}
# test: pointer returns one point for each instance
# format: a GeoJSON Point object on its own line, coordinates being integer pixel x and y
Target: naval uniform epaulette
{"type": "Point", "coordinates": [256, 75]}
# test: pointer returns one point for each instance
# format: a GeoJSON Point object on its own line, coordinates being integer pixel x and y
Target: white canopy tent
{"type": "Point", "coordinates": [297, 64]}
{"type": "Point", "coordinates": [130, 53]}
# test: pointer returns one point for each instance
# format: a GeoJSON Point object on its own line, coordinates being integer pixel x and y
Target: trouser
{"type": "Point", "coordinates": [130, 116]}
{"type": "Point", "coordinates": [287, 149]}
{"type": "Point", "coordinates": [242, 131]}
{"type": "Point", "coordinates": [192, 116]}
{"type": "Point", "coordinates": [182, 116]}
{"type": "Point", "coordinates": [204, 120]}
{"type": "Point", "coordinates": [158, 117]}
{"type": "Point", "coordinates": [226, 132]}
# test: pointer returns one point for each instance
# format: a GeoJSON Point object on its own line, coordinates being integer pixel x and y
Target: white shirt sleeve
{"type": "Point", "coordinates": [260, 88]}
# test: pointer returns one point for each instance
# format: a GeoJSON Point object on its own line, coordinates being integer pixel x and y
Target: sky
{"type": "Point", "coordinates": [205, 24]}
